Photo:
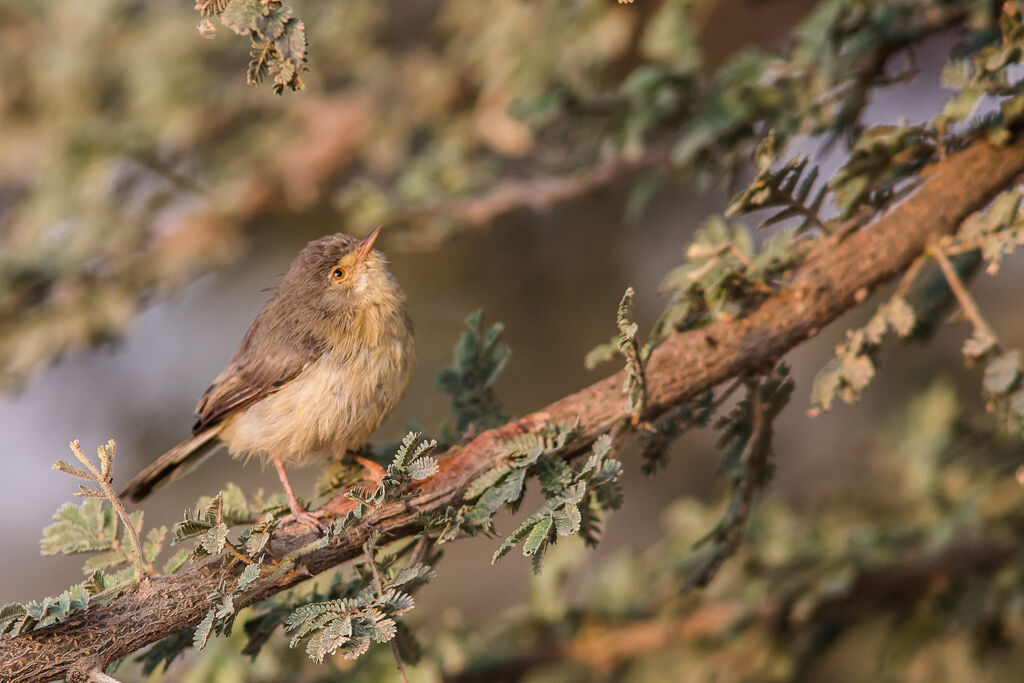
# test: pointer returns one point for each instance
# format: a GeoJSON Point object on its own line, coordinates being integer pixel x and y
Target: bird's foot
{"type": "Point", "coordinates": [304, 518]}
{"type": "Point", "coordinates": [298, 514]}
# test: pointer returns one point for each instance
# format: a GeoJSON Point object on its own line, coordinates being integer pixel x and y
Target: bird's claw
{"type": "Point", "coordinates": [306, 519]}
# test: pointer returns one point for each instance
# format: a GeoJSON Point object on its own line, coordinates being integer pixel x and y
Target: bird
{"type": "Point", "coordinates": [325, 361]}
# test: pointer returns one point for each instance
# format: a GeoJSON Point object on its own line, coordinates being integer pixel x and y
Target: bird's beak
{"type": "Point", "coordinates": [366, 244]}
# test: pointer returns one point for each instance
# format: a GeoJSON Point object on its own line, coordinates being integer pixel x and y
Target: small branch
{"type": "Point", "coordinates": [237, 553]}
{"type": "Point", "coordinates": [105, 477]}
{"type": "Point", "coordinates": [537, 194]}
{"type": "Point", "coordinates": [967, 304]}
{"type": "Point", "coordinates": [368, 550]}
{"type": "Point", "coordinates": [907, 281]}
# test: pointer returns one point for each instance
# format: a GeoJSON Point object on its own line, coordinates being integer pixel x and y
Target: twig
{"type": "Point", "coordinates": [956, 285]}
{"type": "Point", "coordinates": [903, 288]}
{"type": "Point", "coordinates": [379, 585]}
{"type": "Point", "coordinates": [105, 477]}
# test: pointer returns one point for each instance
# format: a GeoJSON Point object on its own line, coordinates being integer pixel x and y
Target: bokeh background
{"type": "Point", "coordinates": [130, 142]}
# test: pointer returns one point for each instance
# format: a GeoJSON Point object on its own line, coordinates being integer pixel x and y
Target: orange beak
{"type": "Point", "coordinates": [366, 244]}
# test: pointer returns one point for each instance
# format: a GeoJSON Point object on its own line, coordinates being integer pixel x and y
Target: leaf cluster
{"type": "Point", "coordinates": [503, 485]}
{"type": "Point", "coordinates": [100, 527]}
{"type": "Point", "coordinates": [412, 462]}
{"type": "Point", "coordinates": [852, 368]}
{"type": "Point", "coordinates": [746, 439]}
{"type": "Point", "coordinates": [576, 495]}
{"type": "Point", "coordinates": [882, 159]}
{"type": "Point", "coordinates": [212, 518]}
{"type": "Point", "coordinates": [724, 274]}
{"type": "Point", "coordinates": [478, 359]}
{"type": "Point", "coordinates": [348, 625]}
{"type": "Point", "coordinates": [985, 78]}
{"type": "Point", "coordinates": [787, 188]}
{"type": "Point", "coordinates": [277, 39]}
{"type": "Point", "coordinates": [627, 344]}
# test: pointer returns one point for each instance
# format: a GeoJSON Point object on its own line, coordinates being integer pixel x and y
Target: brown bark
{"type": "Point", "coordinates": [837, 275]}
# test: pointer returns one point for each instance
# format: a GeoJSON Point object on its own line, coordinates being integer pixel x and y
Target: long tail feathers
{"type": "Point", "coordinates": [172, 464]}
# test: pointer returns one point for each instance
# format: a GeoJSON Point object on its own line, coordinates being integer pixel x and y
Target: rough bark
{"type": "Point", "coordinates": [837, 275]}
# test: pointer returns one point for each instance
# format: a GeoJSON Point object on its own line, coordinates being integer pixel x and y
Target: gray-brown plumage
{"type": "Point", "coordinates": [322, 365]}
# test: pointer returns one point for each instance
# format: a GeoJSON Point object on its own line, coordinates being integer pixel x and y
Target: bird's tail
{"type": "Point", "coordinates": [172, 464]}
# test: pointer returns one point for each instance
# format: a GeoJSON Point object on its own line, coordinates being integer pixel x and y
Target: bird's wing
{"type": "Point", "coordinates": [265, 360]}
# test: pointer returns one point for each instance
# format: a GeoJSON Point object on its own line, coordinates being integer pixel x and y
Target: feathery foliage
{"type": "Point", "coordinates": [277, 39]}
{"type": "Point", "coordinates": [478, 360]}
{"type": "Point", "coordinates": [576, 496]}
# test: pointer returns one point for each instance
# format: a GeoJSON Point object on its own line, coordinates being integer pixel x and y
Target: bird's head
{"type": "Point", "coordinates": [339, 275]}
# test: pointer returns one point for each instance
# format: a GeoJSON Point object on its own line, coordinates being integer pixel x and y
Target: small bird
{"type": "Point", "coordinates": [324, 362]}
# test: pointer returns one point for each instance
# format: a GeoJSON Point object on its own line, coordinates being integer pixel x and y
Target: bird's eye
{"type": "Point", "coordinates": [338, 273]}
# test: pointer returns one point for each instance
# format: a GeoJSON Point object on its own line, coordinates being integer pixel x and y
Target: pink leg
{"type": "Point", "coordinates": [298, 512]}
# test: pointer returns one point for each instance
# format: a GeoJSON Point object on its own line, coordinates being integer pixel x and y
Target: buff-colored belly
{"type": "Point", "coordinates": [333, 405]}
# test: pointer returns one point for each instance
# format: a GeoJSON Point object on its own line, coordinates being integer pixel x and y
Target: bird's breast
{"type": "Point", "coordinates": [334, 404]}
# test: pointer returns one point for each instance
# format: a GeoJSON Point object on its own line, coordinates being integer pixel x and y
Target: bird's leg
{"type": "Point", "coordinates": [298, 512]}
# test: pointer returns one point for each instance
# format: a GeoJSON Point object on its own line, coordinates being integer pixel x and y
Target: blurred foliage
{"type": "Point", "coordinates": [478, 359]}
{"type": "Point", "coordinates": [136, 156]}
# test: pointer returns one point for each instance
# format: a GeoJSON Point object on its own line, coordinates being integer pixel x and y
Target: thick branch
{"type": "Point", "coordinates": [837, 275]}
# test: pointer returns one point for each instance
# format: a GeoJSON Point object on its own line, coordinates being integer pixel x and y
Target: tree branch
{"type": "Point", "coordinates": [538, 193]}
{"type": "Point", "coordinates": [837, 274]}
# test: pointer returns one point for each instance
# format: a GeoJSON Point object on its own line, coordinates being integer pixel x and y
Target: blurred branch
{"type": "Point", "coordinates": [835, 277]}
{"type": "Point", "coordinates": [536, 194]}
{"type": "Point", "coordinates": [414, 142]}
{"type": "Point", "coordinates": [601, 646]}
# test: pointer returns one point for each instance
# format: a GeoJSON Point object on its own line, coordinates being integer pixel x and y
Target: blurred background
{"type": "Point", "coordinates": [148, 197]}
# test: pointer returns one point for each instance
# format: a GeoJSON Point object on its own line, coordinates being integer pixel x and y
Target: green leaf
{"type": "Point", "coordinates": [508, 491]}
{"type": "Point", "coordinates": [537, 536]}
{"type": "Point", "coordinates": [154, 543]}
{"type": "Point", "coordinates": [215, 539]}
{"type": "Point", "coordinates": [291, 45]}
{"type": "Point", "coordinates": [88, 527]}
{"type": "Point", "coordinates": [567, 520]}
{"type": "Point", "coordinates": [485, 481]}
{"type": "Point", "coordinates": [1002, 372]}
{"type": "Point", "coordinates": [204, 629]}
{"type": "Point", "coordinates": [240, 15]}
{"type": "Point", "coordinates": [422, 468]}
{"type": "Point", "coordinates": [249, 576]}
{"type": "Point", "coordinates": [554, 474]}
{"type": "Point", "coordinates": [419, 573]}
{"type": "Point", "coordinates": [602, 353]}
{"type": "Point", "coordinates": [105, 560]}
{"type": "Point", "coordinates": [270, 24]}
{"type": "Point", "coordinates": [165, 651]}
